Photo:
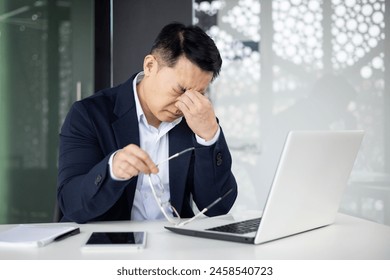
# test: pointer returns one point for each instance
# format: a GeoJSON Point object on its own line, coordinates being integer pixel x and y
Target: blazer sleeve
{"type": "Point", "coordinates": [213, 177]}
{"type": "Point", "coordinates": [85, 187]}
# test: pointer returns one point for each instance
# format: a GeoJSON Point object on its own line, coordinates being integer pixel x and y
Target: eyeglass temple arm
{"type": "Point", "coordinates": [205, 209]}
{"type": "Point", "coordinates": [176, 155]}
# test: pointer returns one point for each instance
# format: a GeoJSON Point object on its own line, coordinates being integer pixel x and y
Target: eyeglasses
{"type": "Point", "coordinates": [161, 195]}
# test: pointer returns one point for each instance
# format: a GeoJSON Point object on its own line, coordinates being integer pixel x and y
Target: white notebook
{"type": "Point", "coordinates": [35, 235]}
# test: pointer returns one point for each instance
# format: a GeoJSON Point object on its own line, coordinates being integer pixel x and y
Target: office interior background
{"type": "Point", "coordinates": [288, 64]}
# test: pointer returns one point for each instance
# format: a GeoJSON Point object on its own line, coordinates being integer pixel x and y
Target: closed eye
{"type": "Point", "coordinates": [180, 90]}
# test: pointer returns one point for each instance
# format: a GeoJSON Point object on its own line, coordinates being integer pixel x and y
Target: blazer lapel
{"type": "Point", "coordinates": [125, 127]}
{"type": "Point", "coordinates": [180, 138]}
{"type": "Point", "coordinates": [126, 130]}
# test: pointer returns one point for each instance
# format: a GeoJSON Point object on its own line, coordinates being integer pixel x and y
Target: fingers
{"type": "Point", "coordinates": [192, 102]}
{"type": "Point", "coordinates": [187, 102]}
{"type": "Point", "coordinates": [199, 113]}
{"type": "Point", "coordinates": [130, 161]}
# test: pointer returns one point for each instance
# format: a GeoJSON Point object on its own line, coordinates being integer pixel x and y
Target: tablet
{"type": "Point", "coordinates": [116, 240]}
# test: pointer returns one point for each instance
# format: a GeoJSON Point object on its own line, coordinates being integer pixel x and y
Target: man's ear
{"type": "Point", "coordinates": [150, 64]}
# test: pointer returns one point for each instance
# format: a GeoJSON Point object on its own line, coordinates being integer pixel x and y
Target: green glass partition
{"type": "Point", "coordinates": [46, 63]}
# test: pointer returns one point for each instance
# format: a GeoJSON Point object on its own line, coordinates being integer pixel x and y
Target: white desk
{"type": "Point", "coordinates": [347, 238]}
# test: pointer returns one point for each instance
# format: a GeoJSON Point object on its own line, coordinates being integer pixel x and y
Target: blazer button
{"type": "Point", "coordinates": [219, 159]}
{"type": "Point", "coordinates": [98, 180]}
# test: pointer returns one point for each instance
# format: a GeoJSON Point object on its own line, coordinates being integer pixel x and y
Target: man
{"type": "Point", "coordinates": [111, 142]}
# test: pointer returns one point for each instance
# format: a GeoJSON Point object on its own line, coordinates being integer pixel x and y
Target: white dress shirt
{"type": "Point", "coordinates": [155, 142]}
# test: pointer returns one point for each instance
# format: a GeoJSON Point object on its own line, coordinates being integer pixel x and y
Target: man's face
{"type": "Point", "coordinates": [162, 86]}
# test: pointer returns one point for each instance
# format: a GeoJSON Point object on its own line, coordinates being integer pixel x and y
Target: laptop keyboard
{"type": "Point", "coordinates": [239, 227]}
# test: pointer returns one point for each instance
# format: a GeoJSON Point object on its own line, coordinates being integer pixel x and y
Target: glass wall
{"type": "Point", "coordinates": [303, 64]}
{"type": "Point", "coordinates": [45, 65]}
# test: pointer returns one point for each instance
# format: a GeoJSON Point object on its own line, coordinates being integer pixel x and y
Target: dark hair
{"type": "Point", "coordinates": [176, 39]}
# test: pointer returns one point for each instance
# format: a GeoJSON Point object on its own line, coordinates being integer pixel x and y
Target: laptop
{"type": "Point", "coordinates": [305, 194]}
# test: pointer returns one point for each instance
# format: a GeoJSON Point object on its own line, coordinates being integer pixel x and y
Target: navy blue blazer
{"type": "Point", "coordinates": [97, 126]}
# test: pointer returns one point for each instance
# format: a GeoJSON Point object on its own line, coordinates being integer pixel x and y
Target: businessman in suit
{"type": "Point", "coordinates": [112, 141]}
